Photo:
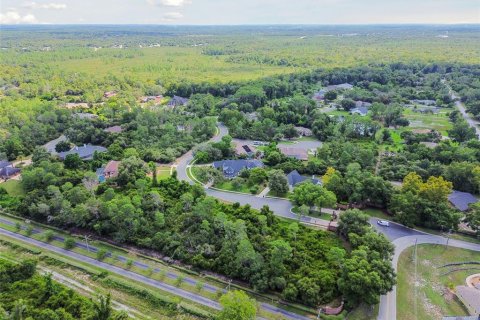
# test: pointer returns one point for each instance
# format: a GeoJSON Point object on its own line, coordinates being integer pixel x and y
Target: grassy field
{"type": "Point", "coordinates": [13, 187]}
{"type": "Point", "coordinates": [439, 122]}
{"type": "Point", "coordinates": [434, 290]}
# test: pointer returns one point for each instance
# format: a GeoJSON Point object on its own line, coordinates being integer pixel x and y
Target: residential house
{"type": "Point", "coordinates": [320, 95]}
{"type": "Point", "coordinates": [75, 105]}
{"type": "Point", "coordinates": [295, 178]}
{"type": "Point", "coordinates": [8, 172]}
{"type": "Point", "coordinates": [110, 170]}
{"type": "Point", "coordinates": [424, 102]}
{"type": "Point", "coordinates": [85, 115]}
{"type": "Point", "coordinates": [305, 132]}
{"type": "Point", "coordinates": [177, 101]}
{"type": "Point", "coordinates": [109, 94]}
{"type": "Point", "coordinates": [461, 200]}
{"type": "Point", "coordinates": [297, 153]}
{"type": "Point", "coordinates": [5, 164]}
{"type": "Point", "coordinates": [359, 104]}
{"type": "Point", "coordinates": [231, 168]}
{"type": "Point", "coordinates": [113, 129]}
{"type": "Point", "coordinates": [85, 152]}
{"type": "Point", "coordinates": [242, 149]}
{"type": "Point", "coordinates": [361, 111]}
{"type": "Point", "coordinates": [156, 99]}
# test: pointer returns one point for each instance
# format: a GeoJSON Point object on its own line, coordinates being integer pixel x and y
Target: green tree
{"type": "Point", "coordinates": [365, 276]}
{"type": "Point", "coordinates": [73, 161]}
{"type": "Point", "coordinates": [69, 243]}
{"type": "Point", "coordinates": [353, 221]}
{"type": "Point", "coordinates": [237, 306]}
{"type": "Point", "coordinates": [103, 308]}
{"type": "Point", "coordinates": [277, 182]}
{"type": "Point", "coordinates": [461, 131]}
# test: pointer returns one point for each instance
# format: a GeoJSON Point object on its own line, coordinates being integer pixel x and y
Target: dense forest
{"type": "Point", "coordinates": [25, 294]}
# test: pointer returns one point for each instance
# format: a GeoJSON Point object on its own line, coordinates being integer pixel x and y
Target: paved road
{"type": "Point", "coordinates": [388, 302]}
{"type": "Point", "coordinates": [142, 279]}
{"type": "Point", "coordinates": [472, 122]}
{"type": "Point", "coordinates": [401, 236]}
{"type": "Point", "coordinates": [461, 107]}
{"type": "Point", "coordinates": [129, 274]}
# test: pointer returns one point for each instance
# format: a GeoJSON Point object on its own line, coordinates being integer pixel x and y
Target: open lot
{"type": "Point", "coordinates": [433, 297]}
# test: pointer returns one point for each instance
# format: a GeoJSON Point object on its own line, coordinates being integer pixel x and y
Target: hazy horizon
{"type": "Point", "coordinates": [247, 12]}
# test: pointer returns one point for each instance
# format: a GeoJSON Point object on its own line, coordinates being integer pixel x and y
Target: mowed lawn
{"type": "Point", "coordinates": [13, 187]}
{"type": "Point", "coordinates": [434, 297]}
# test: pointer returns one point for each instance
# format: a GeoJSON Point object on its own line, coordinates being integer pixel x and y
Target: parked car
{"type": "Point", "coordinates": [383, 223]}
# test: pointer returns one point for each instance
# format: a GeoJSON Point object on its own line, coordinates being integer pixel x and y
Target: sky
{"type": "Point", "coordinates": [234, 12]}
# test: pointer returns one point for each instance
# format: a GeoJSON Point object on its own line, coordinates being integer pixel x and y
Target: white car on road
{"type": "Point", "coordinates": [383, 223]}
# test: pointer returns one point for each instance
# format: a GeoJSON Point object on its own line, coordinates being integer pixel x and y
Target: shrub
{"type": "Point", "coordinates": [69, 243]}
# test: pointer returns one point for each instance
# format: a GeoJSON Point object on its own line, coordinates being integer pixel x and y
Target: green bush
{"type": "Point", "coordinates": [69, 243]}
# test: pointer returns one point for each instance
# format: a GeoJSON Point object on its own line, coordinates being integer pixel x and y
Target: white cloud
{"type": "Point", "coordinates": [172, 16]}
{"type": "Point", "coordinates": [169, 3]}
{"type": "Point", "coordinates": [13, 17]}
{"type": "Point", "coordinates": [50, 5]}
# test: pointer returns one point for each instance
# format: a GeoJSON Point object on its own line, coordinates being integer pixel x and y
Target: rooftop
{"type": "Point", "coordinates": [461, 200]}
{"type": "Point", "coordinates": [231, 168]}
{"type": "Point", "coordinates": [4, 163]}
{"type": "Point", "coordinates": [363, 111]}
{"type": "Point", "coordinates": [7, 172]}
{"type": "Point", "coordinates": [85, 152]}
{"type": "Point", "coordinates": [297, 153]}
{"type": "Point", "coordinates": [114, 129]}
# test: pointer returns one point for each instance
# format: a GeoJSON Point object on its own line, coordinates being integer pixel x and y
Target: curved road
{"type": "Point", "coordinates": [388, 302]}
{"type": "Point", "coordinates": [402, 237]}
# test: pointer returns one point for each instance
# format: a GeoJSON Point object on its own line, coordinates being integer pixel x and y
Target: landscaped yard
{"type": "Point", "coordinates": [13, 187]}
{"type": "Point", "coordinates": [315, 213]}
{"type": "Point", "coordinates": [242, 187]}
{"type": "Point", "coordinates": [434, 296]}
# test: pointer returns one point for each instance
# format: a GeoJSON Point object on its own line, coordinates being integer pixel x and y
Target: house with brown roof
{"type": "Point", "coordinates": [305, 132]}
{"type": "Point", "coordinates": [111, 169]}
{"type": "Point", "coordinates": [109, 94]}
{"type": "Point", "coordinates": [297, 153]}
{"type": "Point", "coordinates": [242, 149]}
{"type": "Point", "coordinates": [156, 99]}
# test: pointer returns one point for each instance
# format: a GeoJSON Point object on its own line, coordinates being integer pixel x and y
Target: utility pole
{"type": "Point", "coordinates": [416, 282]}
{"type": "Point", "coordinates": [86, 241]}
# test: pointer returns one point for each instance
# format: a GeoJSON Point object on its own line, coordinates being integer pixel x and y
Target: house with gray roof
{"type": "Point", "coordinates": [4, 164]}
{"type": "Point", "coordinates": [231, 168]}
{"type": "Point", "coordinates": [8, 172]}
{"type": "Point", "coordinates": [294, 178]}
{"type": "Point", "coordinates": [461, 200]}
{"type": "Point", "coordinates": [177, 101]}
{"type": "Point", "coordinates": [362, 111]}
{"type": "Point", "coordinates": [85, 152]}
